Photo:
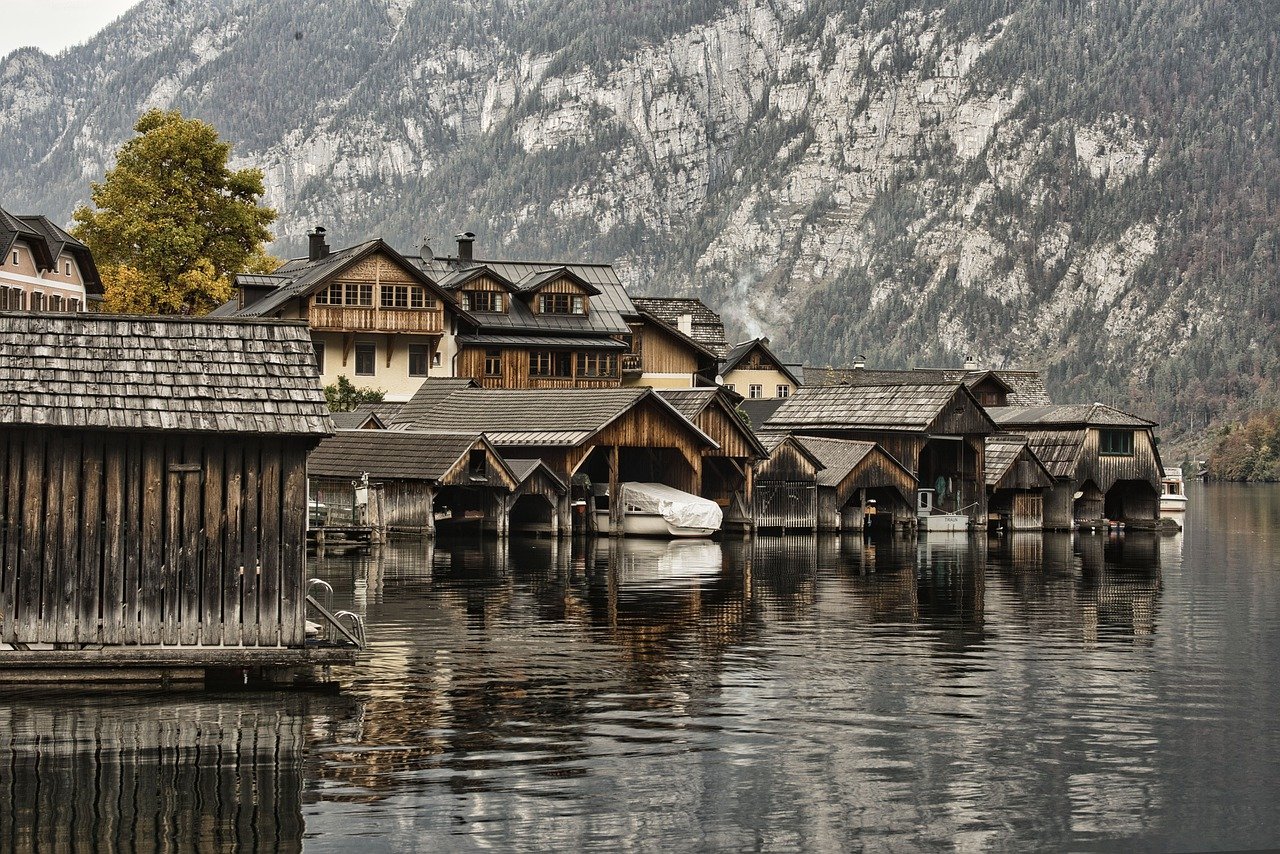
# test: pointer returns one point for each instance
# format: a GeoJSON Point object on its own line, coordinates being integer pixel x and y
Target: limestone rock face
{"type": "Point", "coordinates": [844, 181]}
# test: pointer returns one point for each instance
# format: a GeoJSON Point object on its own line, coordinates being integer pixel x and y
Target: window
{"type": "Point", "coordinates": [365, 355]}
{"type": "Point", "coordinates": [561, 304]}
{"type": "Point", "coordinates": [477, 463]}
{"type": "Point", "coordinates": [67, 267]}
{"type": "Point", "coordinates": [435, 359]}
{"type": "Point", "coordinates": [1117, 443]}
{"type": "Point", "coordinates": [482, 301]}
{"type": "Point", "coordinates": [346, 293]}
{"type": "Point", "coordinates": [597, 365]}
{"type": "Point", "coordinates": [73, 305]}
{"type": "Point", "coordinates": [493, 363]}
{"type": "Point", "coordinates": [784, 390]}
{"type": "Point", "coordinates": [37, 301]}
{"type": "Point", "coordinates": [757, 391]}
{"type": "Point", "coordinates": [11, 299]}
{"type": "Point", "coordinates": [319, 347]}
{"type": "Point", "coordinates": [15, 257]}
{"type": "Point", "coordinates": [549, 363]}
{"type": "Point", "coordinates": [55, 302]}
{"type": "Point", "coordinates": [419, 358]}
{"type": "Point", "coordinates": [405, 296]}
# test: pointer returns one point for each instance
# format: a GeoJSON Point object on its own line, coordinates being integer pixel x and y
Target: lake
{"type": "Point", "coordinates": [1036, 692]}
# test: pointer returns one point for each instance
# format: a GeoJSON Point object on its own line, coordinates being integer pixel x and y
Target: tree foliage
{"type": "Point", "coordinates": [173, 224]}
{"type": "Point", "coordinates": [343, 396]}
{"type": "Point", "coordinates": [1249, 452]}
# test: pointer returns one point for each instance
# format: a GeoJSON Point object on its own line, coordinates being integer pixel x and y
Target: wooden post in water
{"type": "Point", "coordinates": [615, 494]}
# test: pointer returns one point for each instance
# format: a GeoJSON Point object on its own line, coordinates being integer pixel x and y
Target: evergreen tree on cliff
{"type": "Point", "coordinates": [173, 224]}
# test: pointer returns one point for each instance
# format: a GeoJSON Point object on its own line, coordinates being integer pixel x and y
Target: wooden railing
{"type": "Point", "coordinates": [347, 318]}
{"type": "Point", "coordinates": [632, 363]}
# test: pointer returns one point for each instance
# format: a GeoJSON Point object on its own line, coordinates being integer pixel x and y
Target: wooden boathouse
{"type": "Point", "coordinates": [407, 478]}
{"type": "Point", "coordinates": [813, 483]}
{"type": "Point", "coordinates": [936, 430]}
{"type": "Point", "coordinates": [601, 436]}
{"type": "Point", "coordinates": [1016, 483]}
{"type": "Point", "coordinates": [153, 495]}
{"type": "Point", "coordinates": [1105, 462]}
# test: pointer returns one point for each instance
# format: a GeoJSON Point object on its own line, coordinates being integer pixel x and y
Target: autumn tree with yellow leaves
{"type": "Point", "coordinates": [171, 224]}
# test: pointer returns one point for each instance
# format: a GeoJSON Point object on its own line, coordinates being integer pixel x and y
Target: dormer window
{"type": "Point", "coordinates": [482, 301]}
{"type": "Point", "coordinates": [562, 304]}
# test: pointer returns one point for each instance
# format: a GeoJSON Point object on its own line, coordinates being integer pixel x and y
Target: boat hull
{"type": "Point", "coordinates": [1173, 503]}
{"type": "Point", "coordinates": [636, 524]}
{"type": "Point", "coordinates": [945, 522]}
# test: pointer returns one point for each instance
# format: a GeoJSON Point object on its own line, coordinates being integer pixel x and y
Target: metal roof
{"type": "Point", "coordinates": [159, 373]}
{"type": "Point", "coordinates": [581, 342]}
{"type": "Point", "coordinates": [1066, 415]}
{"type": "Point", "coordinates": [886, 407]}
{"type": "Point", "coordinates": [606, 315]}
{"type": "Point", "coordinates": [392, 454]}
{"type": "Point", "coordinates": [48, 240]}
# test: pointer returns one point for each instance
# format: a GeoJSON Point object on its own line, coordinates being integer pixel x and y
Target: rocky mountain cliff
{"type": "Point", "coordinates": [1090, 187]}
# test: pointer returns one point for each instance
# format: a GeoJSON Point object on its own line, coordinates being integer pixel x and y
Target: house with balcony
{"type": "Point", "coordinates": [676, 342]}
{"type": "Point", "coordinates": [374, 316]}
{"type": "Point", "coordinates": [44, 268]}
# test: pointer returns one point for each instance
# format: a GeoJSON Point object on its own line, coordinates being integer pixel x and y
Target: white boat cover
{"type": "Point", "coordinates": [677, 507]}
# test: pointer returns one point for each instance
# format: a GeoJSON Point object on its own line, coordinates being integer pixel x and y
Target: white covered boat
{"type": "Point", "coordinates": [658, 510]}
{"type": "Point", "coordinates": [1173, 492]}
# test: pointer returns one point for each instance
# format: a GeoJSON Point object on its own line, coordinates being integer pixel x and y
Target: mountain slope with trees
{"type": "Point", "coordinates": [1087, 187]}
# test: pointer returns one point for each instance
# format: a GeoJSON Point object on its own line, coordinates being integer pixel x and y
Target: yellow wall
{"type": "Point", "coordinates": [394, 380]}
{"type": "Point", "coordinates": [741, 381]}
{"type": "Point", "coordinates": [660, 381]}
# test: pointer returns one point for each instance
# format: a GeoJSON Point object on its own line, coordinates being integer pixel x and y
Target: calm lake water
{"type": "Point", "coordinates": [1036, 693]}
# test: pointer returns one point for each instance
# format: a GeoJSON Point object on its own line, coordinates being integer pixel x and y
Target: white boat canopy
{"type": "Point", "coordinates": [677, 507]}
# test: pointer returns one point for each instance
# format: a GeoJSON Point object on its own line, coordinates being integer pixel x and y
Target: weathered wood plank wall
{"type": "Point", "coordinates": [118, 538]}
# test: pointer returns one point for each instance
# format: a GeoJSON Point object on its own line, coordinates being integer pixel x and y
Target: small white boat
{"type": "Point", "coordinates": [658, 510]}
{"type": "Point", "coordinates": [951, 523]}
{"type": "Point", "coordinates": [1173, 493]}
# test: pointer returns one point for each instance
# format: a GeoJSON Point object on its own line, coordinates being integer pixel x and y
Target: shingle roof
{"type": "Point", "coordinates": [429, 396]}
{"type": "Point", "coordinates": [159, 373]}
{"type": "Point", "coordinates": [390, 454]}
{"type": "Point", "coordinates": [689, 402]}
{"type": "Point", "coordinates": [1066, 415]}
{"type": "Point", "coordinates": [885, 407]}
{"type": "Point", "coordinates": [707, 328]}
{"type": "Point", "coordinates": [1002, 451]}
{"type": "Point", "coordinates": [385, 410]}
{"type": "Point", "coordinates": [759, 410]}
{"type": "Point", "coordinates": [530, 416]}
{"type": "Point", "coordinates": [739, 352]}
{"type": "Point", "coordinates": [1057, 450]}
{"type": "Point", "coordinates": [524, 469]}
{"type": "Point", "coordinates": [356, 420]}
{"type": "Point", "coordinates": [1026, 388]}
{"type": "Point", "coordinates": [837, 456]}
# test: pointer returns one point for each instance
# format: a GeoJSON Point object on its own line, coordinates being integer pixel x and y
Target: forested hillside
{"type": "Point", "coordinates": [1090, 187]}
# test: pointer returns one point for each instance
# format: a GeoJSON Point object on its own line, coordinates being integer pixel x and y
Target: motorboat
{"type": "Point", "coordinates": [1173, 492]}
{"type": "Point", "coordinates": [658, 510]}
{"type": "Point", "coordinates": [930, 519]}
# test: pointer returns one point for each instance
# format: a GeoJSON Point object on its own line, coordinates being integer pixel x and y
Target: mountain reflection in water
{"type": "Point", "coordinates": [1032, 691]}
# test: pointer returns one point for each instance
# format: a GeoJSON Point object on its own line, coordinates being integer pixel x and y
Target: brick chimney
{"type": "Point", "coordinates": [465, 240]}
{"type": "Point", "coordinates": [316, 247]}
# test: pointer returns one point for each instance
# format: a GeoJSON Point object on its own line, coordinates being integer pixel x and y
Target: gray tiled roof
{"type": "Point", "coordinates": [390, 454]}
{"type": "Point", "coordinates": [739, 352]}
{"type": "Point", "coordinates": [837, 456]}
{"type": "Point", "coordinates": [524, 469]}
{"type": "Point", "coordinates": [707, 328]}
{"type": "Point", "coordinates": [1026, 388]}
{"type": "Point", "coordinates": [1066, 415]}
{"type": "Point", "coordinates": [159, 373]}
{"type": "Point", "coordinates": [759, 410]}
{"type": "Point", "coordinates": [689, 402]}
{"type": "Point", "coordinates": [429, 396]}
{"type": "Point", "coordinates": [884, 407]}
{"type": "Point", "coordinates": [385, 410]}
{"type": "Point", "coordinates": [529, 416]}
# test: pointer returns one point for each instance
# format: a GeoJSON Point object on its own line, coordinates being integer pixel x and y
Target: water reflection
{"type": "Point", "coordinates": [1028, 691]}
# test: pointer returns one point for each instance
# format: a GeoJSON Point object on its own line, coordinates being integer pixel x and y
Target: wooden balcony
{"type": "Point", "coordinates": [345, 318]}
{"type": "Point", "coordinates": [632, 364]}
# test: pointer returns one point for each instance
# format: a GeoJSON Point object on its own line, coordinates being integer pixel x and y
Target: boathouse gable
{"type": "Point", "coordinates": [153, 486]}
